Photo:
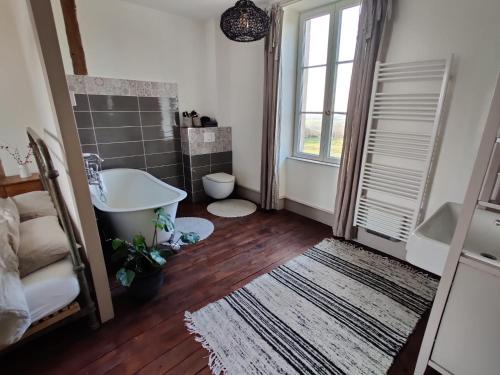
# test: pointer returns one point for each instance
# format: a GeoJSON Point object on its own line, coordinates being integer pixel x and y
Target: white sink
{"type": "Point", "coordinates": [429, 243]}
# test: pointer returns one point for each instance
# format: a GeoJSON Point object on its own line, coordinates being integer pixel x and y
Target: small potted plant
{"type": "Point", "coordinates": [22, 159]}
{"type": "Point", "coordinates": [141, 264]}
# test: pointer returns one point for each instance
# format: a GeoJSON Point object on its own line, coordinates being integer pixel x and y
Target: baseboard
{"type": "Point", "coordinates": [395, 249]}
{"type": "Point", "coordinates": [309, 212]}
{"type": "Point", "coordinates": [248, 194]}
{"type": "Point", "coordinates": [290, 205]}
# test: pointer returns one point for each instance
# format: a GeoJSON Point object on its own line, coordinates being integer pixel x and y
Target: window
{"type": "Point", "coordinates": [327, 43]}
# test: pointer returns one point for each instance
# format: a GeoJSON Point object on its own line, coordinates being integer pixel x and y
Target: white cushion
{"type": "Point", "coordinates": [50, 288]}
{"type": "Point", "coordinates": [10, 214]}
{"type": "Point", "coordinates": [43, 242]}
{"type": "Point", "coordinates": [34, 204]}
{"type": "Point", "coordinates": [14, 312]}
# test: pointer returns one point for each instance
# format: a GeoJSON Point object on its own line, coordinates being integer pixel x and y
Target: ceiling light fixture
{"type": "Point", "coordinates": [245, 22]}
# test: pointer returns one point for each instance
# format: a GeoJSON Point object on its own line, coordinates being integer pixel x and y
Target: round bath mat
{"type": "Point", "coordinates": [201, 226]}
{"type": "Point", "coordinates": [232, 208]}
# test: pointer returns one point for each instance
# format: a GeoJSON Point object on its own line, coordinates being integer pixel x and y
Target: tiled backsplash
{"type": "Point", "coordinates": [130, 124]}
{"type": "Point", "coordinates": [202, 157]}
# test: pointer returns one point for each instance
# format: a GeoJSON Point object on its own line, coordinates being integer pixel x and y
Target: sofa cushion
{"type": "Point", "coordinates": [10, 214]}
{"type": "Point", "coordinates": [34, 204]}
{"type": "Point", "coordinates": [43, 242]}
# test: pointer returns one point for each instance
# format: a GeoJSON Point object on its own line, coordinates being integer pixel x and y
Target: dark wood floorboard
{"type": "Point", "coordinates": [152, 339]}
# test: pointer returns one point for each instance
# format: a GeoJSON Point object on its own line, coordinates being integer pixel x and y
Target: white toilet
{"type": "Point", "coordinates": [218, 185]}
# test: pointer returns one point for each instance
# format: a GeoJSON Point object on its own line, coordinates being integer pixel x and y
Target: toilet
{"type": "Point", "coordinates": [218, 185]}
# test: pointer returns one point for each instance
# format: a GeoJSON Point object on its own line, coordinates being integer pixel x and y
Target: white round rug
{"type": "Point", "coordinates": [232, 208]}
{"type": "Point", "coordinates": [201, 226]}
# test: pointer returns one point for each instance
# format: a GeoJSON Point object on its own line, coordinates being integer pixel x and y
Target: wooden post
{"type": "Point", "coordinates": [74, 38]}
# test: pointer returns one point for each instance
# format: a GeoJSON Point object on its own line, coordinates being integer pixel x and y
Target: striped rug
{"type": "Point", "coordinates": [337, 309]}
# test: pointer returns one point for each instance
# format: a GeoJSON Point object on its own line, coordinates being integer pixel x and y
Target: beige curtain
{"type": "Point", "coordinates": [270, 131]}
{"type": "Point", "coordinates": [374, 27]}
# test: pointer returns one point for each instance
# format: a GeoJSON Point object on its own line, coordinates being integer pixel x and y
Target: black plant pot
{"type": "Point", "coordinates": [146, 287]}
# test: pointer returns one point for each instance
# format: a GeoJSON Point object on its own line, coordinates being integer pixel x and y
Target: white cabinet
{"type": "Point", "coordinates": [468, 340]}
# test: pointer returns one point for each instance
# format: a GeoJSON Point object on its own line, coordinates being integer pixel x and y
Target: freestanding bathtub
{"type": "Point", "coordinates": [131, 196]}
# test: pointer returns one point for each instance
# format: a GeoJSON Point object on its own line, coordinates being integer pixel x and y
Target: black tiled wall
{"type": "Point", "coordinates": [197, 166]}
{"type": "Point", "coordinates": [132, 132]}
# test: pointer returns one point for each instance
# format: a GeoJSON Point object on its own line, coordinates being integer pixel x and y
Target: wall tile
{"type": "Point", "coordinates": [122, 137]}
{"type": "Point", "coordinates": [86, 136]}
{"type": "Point", "coordinates": [158, 118]}
{"type": "Point", "coordinates": [112, 150]}
{"type": "Point", "coordinates": [156, 147]}
{"type": "Point", "coordinates": [198, 185]}
{"type": "Point", "coordinates": [199, 172]}
{"type": "Point", "coordinates": [113, 103]}
{"type": "Point", "coordinates": [111, 135]}
{"type": "Point", "coordinates": [135, 162]}
{"type": "Point", "coordinates": [222, 168]}
{"type": "Point", "coordinates": [166, 171]}
{"type": "Point", "coordinates": [158, 104]}
{"type": "Point", "coordinates": [82, 103]}
{"type": "Point", "coordinates": [83, 120]}
{"type": "Point", "coordinates": [186, 160]}
{"type": "Point", "coordinates": [200, 160]}
{"type": "Point", "coordinates": [177, 181]}
{"type": "Point", "coordinates": [160, 132]}
{"type": "Point", "coordinates": [221, 157]}
{"type": "Point", "coordinates": [155, 160]}
{"type": "Point", "coordinates": [116, 119]}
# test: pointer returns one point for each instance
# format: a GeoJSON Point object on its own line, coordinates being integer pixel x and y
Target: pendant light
{"type": "Point", "coordinates": [245, 22]}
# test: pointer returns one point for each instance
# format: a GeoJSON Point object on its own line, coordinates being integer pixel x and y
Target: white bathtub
{"type": "Point", "coordinates": [132, 196]}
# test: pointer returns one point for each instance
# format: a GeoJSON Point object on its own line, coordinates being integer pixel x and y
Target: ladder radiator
{"type": "Point", "coordinates": [403, 126]}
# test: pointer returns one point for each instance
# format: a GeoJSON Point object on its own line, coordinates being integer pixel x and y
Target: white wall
{"type": "Point", "coordinates": [125, 40]}
{"type": "Point", "coordinates": [239, 88]}
{"type": "Point", "coordinates": [471, 30]}
{"type": "Point", "coordinates": [19, 107]}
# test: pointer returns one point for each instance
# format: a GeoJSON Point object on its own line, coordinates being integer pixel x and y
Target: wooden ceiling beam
{"type": "Point", "coordinates": [74, 38]}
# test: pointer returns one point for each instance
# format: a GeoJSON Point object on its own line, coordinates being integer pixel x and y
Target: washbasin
{"type": "Point", "coordinates": [429, 244]}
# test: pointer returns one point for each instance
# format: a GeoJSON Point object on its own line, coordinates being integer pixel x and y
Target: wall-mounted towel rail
{"type": "Point", "coordinates": [403, 125]}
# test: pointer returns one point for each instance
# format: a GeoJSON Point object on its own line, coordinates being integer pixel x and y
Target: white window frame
{"type": "Point", "coordinates": [335, 11]}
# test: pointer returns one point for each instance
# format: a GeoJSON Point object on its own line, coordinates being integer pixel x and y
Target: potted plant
{"type": "Point", "coordinates": [141, 264]}
{"type": "Point", "coordinates": [22, 159]}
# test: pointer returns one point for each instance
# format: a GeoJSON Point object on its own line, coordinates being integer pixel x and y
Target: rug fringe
{"type": "Point", "coordinates": [214, 361]}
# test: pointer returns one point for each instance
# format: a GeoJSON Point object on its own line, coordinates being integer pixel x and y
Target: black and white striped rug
{"type": "Point", "coordinates": [337, 309]}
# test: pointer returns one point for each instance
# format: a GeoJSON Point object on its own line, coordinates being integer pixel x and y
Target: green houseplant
{"type": "Point", "coordinates": [141, 264]}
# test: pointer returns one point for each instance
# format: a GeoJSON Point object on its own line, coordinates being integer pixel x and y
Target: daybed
{"type": "Point", "coordinates": [43, 279]}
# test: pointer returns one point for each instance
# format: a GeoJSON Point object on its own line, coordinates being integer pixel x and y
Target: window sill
{"type": "Point", "coordinates": [333, 165]}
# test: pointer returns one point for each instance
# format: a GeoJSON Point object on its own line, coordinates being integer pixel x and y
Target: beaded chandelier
{"type": "Point", "coordinates": [245, 22]}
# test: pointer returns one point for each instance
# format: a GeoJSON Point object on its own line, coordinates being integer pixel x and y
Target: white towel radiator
{"type": "Point", "coordinates": [403, 127]}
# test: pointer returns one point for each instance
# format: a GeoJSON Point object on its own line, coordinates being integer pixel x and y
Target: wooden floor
{"type": "Point", "coordinates": [152, 339]}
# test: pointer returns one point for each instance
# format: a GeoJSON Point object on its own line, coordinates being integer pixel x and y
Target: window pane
{"type": "Point", "coordinates": [316, 40]}
{"type": "Point", "coordinates": [310, 133]}
{"type": "Point", "coordinates": [348, 33]}
{"type": "Point", "coordinates": [337, 141]}
{"type": "Point", "coordinates": [313, 89]}
{"type": "Point", "coordinates": [342, 85]}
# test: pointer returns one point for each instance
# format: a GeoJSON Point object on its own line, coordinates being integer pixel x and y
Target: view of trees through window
{"type": "Point", "coordinates": [325, 76]}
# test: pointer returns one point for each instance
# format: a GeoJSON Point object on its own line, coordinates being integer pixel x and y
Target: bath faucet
{"type": "Point", "coordinates": [93, 165]}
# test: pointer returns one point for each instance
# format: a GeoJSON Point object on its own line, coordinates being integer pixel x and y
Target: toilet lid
{"type": "Point", "coordinates": [220, 177]}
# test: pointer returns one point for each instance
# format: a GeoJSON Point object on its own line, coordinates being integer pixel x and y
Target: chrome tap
{"type": "Point", "coordinates": [93, 166]}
